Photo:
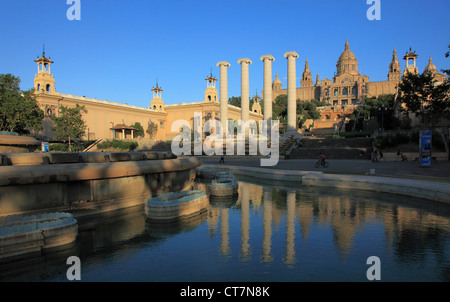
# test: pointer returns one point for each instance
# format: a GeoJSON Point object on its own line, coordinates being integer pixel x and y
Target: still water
{"type": "Point", "coordinates": [268, 233]}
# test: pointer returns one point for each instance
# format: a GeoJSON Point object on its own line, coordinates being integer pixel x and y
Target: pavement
{"type": "Point", "coordinates": [438, 171]}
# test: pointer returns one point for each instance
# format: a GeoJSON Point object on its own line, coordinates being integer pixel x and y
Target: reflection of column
{"type": "Point", "coordinates": [223, 93]}
{"type": "Point", "coordinates": [224, 230]}
{"type": "Point", "coordinates": [245, 95]}
{"type": "Point", "coordinates": [212, 220]}
{"type": "Point", "coordinates": [267, 97]}
{"type": "Point", "coordinates": [245, 220]}
{"type": "Point", "coordinates": [267, 226]}
{"type": "Point", "coordinates": [291, 91]}
{"type": "Point", "coordinates": [290, 228]}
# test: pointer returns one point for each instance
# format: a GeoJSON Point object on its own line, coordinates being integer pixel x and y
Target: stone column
{"type": "Point", "coordinates": [267, 97]}
{"type": "Point", "coordinates": [291, 92]}
{"type": "Point", "coordinates": [245, 95]}
{"type": "Point", "coordinates": [223, 93]}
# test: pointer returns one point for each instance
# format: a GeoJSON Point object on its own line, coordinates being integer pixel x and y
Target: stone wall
{"type": "Point", "coordinates": [91, 187]}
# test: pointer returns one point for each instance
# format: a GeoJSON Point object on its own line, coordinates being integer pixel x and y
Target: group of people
{"type": "Point", "coordinates": [377, 156]}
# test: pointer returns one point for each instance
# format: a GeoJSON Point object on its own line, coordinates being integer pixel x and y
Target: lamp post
{"type": "Point", "coordinates": [382, 108]}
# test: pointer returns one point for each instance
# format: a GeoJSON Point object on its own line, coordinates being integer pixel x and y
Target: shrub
{"type": "Point", "coordinates": [118, 144]}
{"type": "Point", "coordinates": [354, 134]}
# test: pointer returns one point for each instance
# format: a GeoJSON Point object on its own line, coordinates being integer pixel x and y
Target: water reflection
{"type": "Point", "coordinates": [267, 233]}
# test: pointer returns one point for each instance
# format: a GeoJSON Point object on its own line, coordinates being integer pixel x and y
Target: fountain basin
{"type": "Point", "coordinates": [223, 187]}
{"type": "Point", "coordinates": [175, 205]}
{"type": "Point", "coordinates": [21, 235]}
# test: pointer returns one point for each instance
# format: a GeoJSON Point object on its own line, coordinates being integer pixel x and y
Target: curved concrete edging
{"type": "Point", "coordinates": [39, 174]}
{"type": "Point", "coordinates": [265, 173]}
{"type": "Point", "coordinates": [429, 190]}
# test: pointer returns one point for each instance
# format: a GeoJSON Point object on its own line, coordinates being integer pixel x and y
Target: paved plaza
{"type": "Point", "coordinates": [438, 171]}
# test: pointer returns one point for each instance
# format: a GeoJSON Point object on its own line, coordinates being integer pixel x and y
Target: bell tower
{"type": "Point", "coordinates": [43, 80]}
{"type": "Point", "coordinates": [395, 73]}
{"type": "Point", "coordinates": [211, 95]}
{"type": "Point", "coordinates": [410, 59]}
{"type": "Point", "coordinates": [157, 102]}
{"type": "Point", "coordinates": [306, 80]}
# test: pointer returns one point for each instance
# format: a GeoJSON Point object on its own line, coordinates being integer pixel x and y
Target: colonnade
{"type": "Point", "coordinates": [267, 97]}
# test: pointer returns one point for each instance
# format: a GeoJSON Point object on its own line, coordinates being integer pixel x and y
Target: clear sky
{"type": "Point", "coordinates": [119, 48]}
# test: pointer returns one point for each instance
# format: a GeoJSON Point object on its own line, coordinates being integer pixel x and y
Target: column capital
{"type": "Point", "coordinates": [267, 57]}
{"type": "Point", "coordinates": [291, 53]}
{"type": "Point", "coordinates": [244, 60]}
{"type": "Point", "coordinates": [223, 63]}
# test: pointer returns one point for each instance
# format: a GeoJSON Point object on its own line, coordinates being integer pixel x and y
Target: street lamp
{"type": "Point", "coordinates": [382, 109]}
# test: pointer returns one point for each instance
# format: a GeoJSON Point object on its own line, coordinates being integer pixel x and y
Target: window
{"type": "Point", "coordinates": [345, 91]}
{"type": "Point", "coordinates": [47, 88]}
{"type": "Point", "coordinates": [336, 92]}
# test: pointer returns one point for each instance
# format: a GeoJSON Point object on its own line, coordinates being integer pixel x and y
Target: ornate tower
{"type": "Point", "coordinates": [157, 102]}
{"type": "Point", "coordinates": [256, 107]}
{"type": "Point", "coordinates": [43, 80]}
{"type": "Point", "coordinates": [395, 73]}
{"type": "Point", "coordinates": [317, 80]}
{"type": "Point", "coordinates": [211, 95]}
{"type": "Point", "coordinates": [306, 80]}
{"type": "Point", "coordinates": [410, 58]}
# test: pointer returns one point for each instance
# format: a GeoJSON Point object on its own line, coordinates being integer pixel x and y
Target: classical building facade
{"type": "Point", "coordinates": [107, 120]}
{"type": "Point", "coordinates": [347, 86]}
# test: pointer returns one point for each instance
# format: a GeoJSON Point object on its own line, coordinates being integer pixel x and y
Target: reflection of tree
{"type": "Point", "coordinates": [412, 244]}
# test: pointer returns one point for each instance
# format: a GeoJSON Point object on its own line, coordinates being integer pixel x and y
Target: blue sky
{"type": "Point", "coordinates": [119, 48]}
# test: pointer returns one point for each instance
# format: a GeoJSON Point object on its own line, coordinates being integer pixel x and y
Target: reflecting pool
{"type": "Point", "coordinates": [270, 232]}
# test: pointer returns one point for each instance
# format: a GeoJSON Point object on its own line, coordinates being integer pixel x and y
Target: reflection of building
{"type": "Point", "coordinates": [106, 119]}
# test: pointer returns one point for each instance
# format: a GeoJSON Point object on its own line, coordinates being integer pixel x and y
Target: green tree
{"type": "Point", "coordinates": [69, 123]}
{"type": "Point", "coordinates": [18, 109]}
{"type": "Point", "coordinates": [139, 130]}
{"type": "Point", "coordinates": [152, 128]}
{"type": "Point", "coordinates": [236, 101]}
{"type": "Point", "coordinates": [279, 107]}
{"type": "Point", "coordinates": [420, 95]}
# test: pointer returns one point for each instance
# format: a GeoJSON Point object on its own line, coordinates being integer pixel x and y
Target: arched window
{"type": "Point", "coordinates": [47, 88]}
{"type": "Point", "coordinates": [160, 108]}
{"type": "Point", "coordinates": [345, 91]}
{"type": "Point", "coordinates": [209, 98]}
{"type": "Point", "coordinates": [39, 87]}
{"type": "Point", "coordinates": [154, 107]}
{"type": "Point", "coordinates": [336, 92]}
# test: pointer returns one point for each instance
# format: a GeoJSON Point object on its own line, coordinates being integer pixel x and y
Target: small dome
{"type": "Point", "coordinates": [277, 80]}
{"type": "Point", "coordinates": [276, 85]}
{"type": "Point", "coordinates": [430, 67]}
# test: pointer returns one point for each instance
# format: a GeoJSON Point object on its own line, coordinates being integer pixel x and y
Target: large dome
{"type": "Point", "coordinates": [347, 61]}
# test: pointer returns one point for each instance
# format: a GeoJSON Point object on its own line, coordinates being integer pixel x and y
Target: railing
{"type": "Point", "coordinates": [93, 145]}
{"type": "Point", "coordinates": [9, 133]}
